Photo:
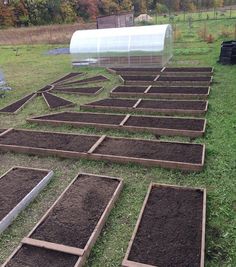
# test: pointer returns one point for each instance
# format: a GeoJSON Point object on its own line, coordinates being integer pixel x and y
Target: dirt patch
{"type": "Point", "coordinates": [55, 101]}
{"type": "Point", "coordinates": [74, 218]}
{"type": "Point", "coordinates": [85, 117]}
{"type": "Point", "coordinates": [138, 78]}
{"type": "Point", "coordinates": [184, 79]}
{"type": "Point", "coordinates": [78, 90]}
{"type": "Point", "coordinates": [166, 151]}
{"type": "Point", "coordinates": [129, 103]}
{"type": "Point", "coordinates": [68, 142]}
{"type": "Point", "coordinates": [166, 123]}
{"type": "Point", "coordinates": [179, 90]}
{"type": "Point", "coordinates": [16, 105]}
{"type": "Point", "coordinates": [29, 256]}
{"type": "Point", "coordinates": [130, 89]}
{"type": "Point", "coordinates": [171, 104]}
{"type": "Point", "coordinates": [98, 78]}
{"type": "Point", "coordinates": [188, 69]}
{"type": "Point", "coordinates": [69, 76]}
{"type": "Point", "coordinates": [170, 230]}
{"type": "Point", "coordinates": [15, 185]}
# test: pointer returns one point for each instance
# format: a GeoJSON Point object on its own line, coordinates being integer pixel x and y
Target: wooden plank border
{"type": "Point", "coordinates": [129, 263]}
{"type": "Point", "coordinates": [78, 93]}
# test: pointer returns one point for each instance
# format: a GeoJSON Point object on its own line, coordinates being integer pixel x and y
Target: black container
{"type": "Point", "coordinates": [228, 53]}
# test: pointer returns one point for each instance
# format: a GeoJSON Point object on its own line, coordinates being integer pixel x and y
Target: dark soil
{"type": "Point", "coordinates": [110, 102]}
{"type": "Point", "coordinates": [151, 150]}
{"type": "Point", "coordinates": [179, 90]}
{"type": "Point", "coordinates": [166, 123]}
{"type": "Point", "coordinates": [187, 69]}
{"type": "Point", "coordinates": [68, 77]}
{"type": "Point", "coordinates": [67, 142]}
{"type": "Point", "coordinates": [15, 185]}
{"type": "Point", "coordinates": [184, 79]}
{"type": "Point", "coordinates": [45, 88]}
{"type": "Point", "coordinates": [170, 231]}
{"type": "Point", "coordinates": [55, 101]}
{"type": "Point", "coordinates": [171, 104]}
{"type": "Point", "coordinates": [130, 89]}
{"type": "Point", "coordinates": [139, 78]}
{"type": "Point", "coordinates": [2, 130]}
{"type": "Point", "coordinates": [74, 218]}
{"type": "Point", "coordinates": [137, 69]}
{"type": "Point", "coordinates": [85, 117]}
{"type": "Point", "coordinates": [97, 78]}
{"type": "Point", "coordinates": [29, 256]}
{"type": "Point", "coordinates": [78, 90]}
{"type": "Point", "coordinates": [16, 105]}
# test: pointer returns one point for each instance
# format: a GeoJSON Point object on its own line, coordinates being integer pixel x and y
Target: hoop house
{"type": "Point", "coordinates": [128, 46]}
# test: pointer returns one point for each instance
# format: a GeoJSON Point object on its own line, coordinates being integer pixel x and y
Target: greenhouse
{"type": "Point", "coordinates": [128, 46]}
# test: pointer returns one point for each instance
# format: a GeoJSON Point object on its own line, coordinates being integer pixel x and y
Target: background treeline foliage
{"type": "Point", "coordinates": [40, 12]}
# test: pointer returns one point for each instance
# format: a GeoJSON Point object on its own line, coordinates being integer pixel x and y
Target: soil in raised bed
{"type": "Point", "coordinates": [137, 69]}
{"type": "Point", "coordinates": [179, 90]}
{"type": "Point", "coordinates": [78, 90]}
{"type": "Point", "coordinates": [172, 104]}
{"type": "Point", "coordinates": [97, 78]}
{"type": "Point", "coordinates": [130, 89]}
{"type": "Point", "coordinates": [75, 216]}
{"type": "Point", "coordinates": [45, 89]}
{"type": "Point", "coordinates": [113, 102]}
{"type": "Point", "coordinates": [188, 69]}
{"type": "Point", "coordinates": [170, 230]}
{"type": "Point", "coordinates": [30, 256]}
{"type": "Point", "coordinates": [85, 117]}
{"type": "Point", "coordinates": [15, 185]}
{"type": "Point", "coordinates": [166, 123]}
{"type": "Point", "coordinates": [69, 76]}
{"type": "Point", "coordinates": [16, 105]}
{"type": "Point", "coordinates": [138, 78]}
{"type": "Point", "coordinates": [46, 140]}
{"type": "Point", "coordinates": [56, 102]}
{"type": "Point", "coordinates": [167, 151]}
{"type": "Point", "coordinates": [184, 79]}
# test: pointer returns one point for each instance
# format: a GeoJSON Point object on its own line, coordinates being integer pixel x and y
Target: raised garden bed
{"type": "Point", "coordinates": [15, 107]}
{"type": "Point", "coordinates": [156, 125]}
{"type": "Point", "coordinates": [46, 88]}
{"type": "Point", "coordinates": [167, 107]}
{"type": "Point", "coordinates": [184, 156]}
{"type": "Point", "coordinates": [72, 225]}
{"type": "Point", "coordinates": [173, 92]}
{"type": "Point", "coordinates": [53, 101]}
{"type": "Point", "coordinates": [68, 76]}
{"type": "Point", "coordinates": [189, 69]}
{"type": "Point", "coordinates": [18, 187]}
{"type": "Point", "coordinates": [94, 79]}
{"type": "Point", "coordinates": [170, 230]}
{"type": "Point", "coordinates": [2, 131]}
{"type": "Point", "coordinates": [78, 90]}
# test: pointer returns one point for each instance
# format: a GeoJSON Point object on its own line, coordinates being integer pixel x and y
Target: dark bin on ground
{"type": "Point", "coordinates": [228, 53]}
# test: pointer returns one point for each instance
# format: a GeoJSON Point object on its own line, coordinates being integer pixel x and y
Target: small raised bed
{"type": "Point", "coordinates": [94, 79]}
{"type": "Point", "coordinates": [15, 107]}
{"type": "Point", "coordinates": [189, 69]}
{"type": "Point", "coordinates": [161, 92]}
{"type": "Point", "coordinates": [46, 88]}
{"type": "Point", "coordinates": [170, 230]}
{"type": "Point", "coordinates": [151, 124]}
{"type": "Point", "coordinates": [53, 101]}
{"type": "Point", "coordinates": [184, 156]}
{"type": "Point", "coordinates": [167, 107]}
{"type": "Point", "coordinates": [18, 187]}
{"type": "Point", "coordinates": [68, 76]}
{"type": "Point", "coordinates": [72, 225]}
{"type": "Point", "coordinates": [135, 71]}
{"type": "Point", "coordinates": [78, 90]}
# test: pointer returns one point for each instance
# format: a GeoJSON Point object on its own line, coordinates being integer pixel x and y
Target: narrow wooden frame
{"type": "Point", "coordinates": [128, 263]}
{"type": "Point", "coordinates": [97, 81]}
{"type": "Point", "coordinates": [78, 93]}
{"type": "Point", "coordinates": [82, 253]}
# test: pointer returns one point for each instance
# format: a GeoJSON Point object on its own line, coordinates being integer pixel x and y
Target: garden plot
{"type": "Point", "coordinates": [78, 90]}
{"type": "Point", "coordinates": [69, 76]}
{"type": "Point", "coordinates": [184, 156]}
{"type": "Point", "coordinates": [94, 79]}
{"type": "Point", "coordinates": [46, 88]}
{"type": "Point", "coordinates": [170, 230]}
{"type": "Point", "coordinates": [151, 124]}
{"type": "Point", "coordinates": [15, 107]}
{"type": "Point", "coordinates": [67, 232]}
{"type": "Point", "coordinates": [53, 101]}
{"type": "Point", "coordinates": [169, 92]}
{"type": "Point", "coordinates": [167, 107]}
{"type": "Point", "coordinates": [18, 187]}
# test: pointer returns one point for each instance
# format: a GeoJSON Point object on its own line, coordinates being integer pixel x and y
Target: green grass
{"type": "Point", "coordinates": [31, 70]}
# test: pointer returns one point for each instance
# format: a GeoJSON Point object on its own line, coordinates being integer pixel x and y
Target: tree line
{"type": "Point", "coordinates": [41, 12]}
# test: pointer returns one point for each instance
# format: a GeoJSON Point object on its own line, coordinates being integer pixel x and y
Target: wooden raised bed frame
{"type": "Point", "coordinates": [112, 158]}
{"type": "Point", "coordinates": [146, 94]}
{"type": "Point", "coordinates": [128, 263]}
{"type": "Point", "coordinates": [88, 107]}
{"type": "Point", "coordinates": [76, 93]}
{"type": "Point", "coordinates": [59, 107]}
{"type": "Point", "coordinates": [81, 253]}
{"type": "Point", "coordinates": [121, 126]}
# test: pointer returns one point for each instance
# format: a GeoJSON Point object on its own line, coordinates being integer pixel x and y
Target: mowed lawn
{"type": "Point", "coordinates": [32, 69]}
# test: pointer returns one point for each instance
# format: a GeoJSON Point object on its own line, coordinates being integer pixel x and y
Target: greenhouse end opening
{"type": "Point", "coordinates": [128, 46]}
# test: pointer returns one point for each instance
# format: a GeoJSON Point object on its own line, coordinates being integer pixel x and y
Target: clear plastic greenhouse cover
{"type": "Point", "coordinates": [128, 46]}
